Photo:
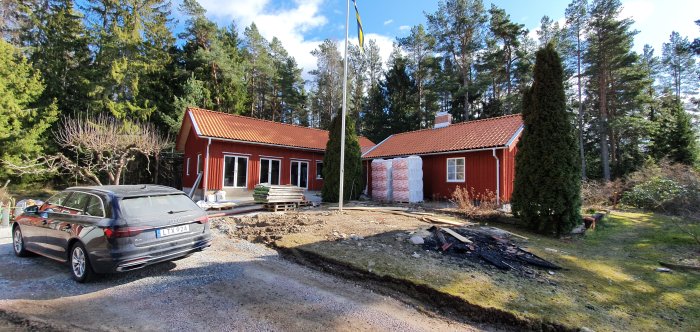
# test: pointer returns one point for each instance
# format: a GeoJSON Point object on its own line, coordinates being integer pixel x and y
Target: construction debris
{"type": "Point", "coordinates": [483, 247]}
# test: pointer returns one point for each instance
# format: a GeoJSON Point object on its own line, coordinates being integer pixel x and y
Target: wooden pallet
{"type": "Point", "coordinates": [280, 207]}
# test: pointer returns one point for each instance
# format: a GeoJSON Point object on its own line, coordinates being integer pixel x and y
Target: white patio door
{"type": "Point", "coordinates": [270, 171]}
{"type": "Point", "coordinates": [300, 173]}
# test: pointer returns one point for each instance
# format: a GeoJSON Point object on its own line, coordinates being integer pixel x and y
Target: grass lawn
{"type": "Point", "coordinates": [610, 280]}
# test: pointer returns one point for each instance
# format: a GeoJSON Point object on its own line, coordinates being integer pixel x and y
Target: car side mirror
{"type": "Point", "coordinates": [34, 209]}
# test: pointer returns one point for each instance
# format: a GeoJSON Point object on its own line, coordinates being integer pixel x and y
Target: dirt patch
{"type": "Point", "coordinates": [608, 281]}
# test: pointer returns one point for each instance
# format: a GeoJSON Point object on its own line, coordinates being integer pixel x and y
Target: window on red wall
{"type": "Point", "coordinates": [187, 166]}
{"type": "Point", "coordinates": [455, 169]}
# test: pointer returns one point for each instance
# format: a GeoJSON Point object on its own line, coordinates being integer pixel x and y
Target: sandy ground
{"type": "Point", "coordinates": [234, 285]}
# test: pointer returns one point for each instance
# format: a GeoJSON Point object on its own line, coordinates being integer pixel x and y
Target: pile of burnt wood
{"type": "Point", "coordinates": [485, 246]}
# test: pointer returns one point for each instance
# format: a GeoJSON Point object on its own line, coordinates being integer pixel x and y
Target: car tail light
{"type": "Point", "coordinates": [113, 233]}
{"type": "Point", "coordinates": [202, 220]}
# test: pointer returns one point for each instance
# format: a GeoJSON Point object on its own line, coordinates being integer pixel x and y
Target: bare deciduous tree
{"type": "Point", "coordinates": [97, 148]}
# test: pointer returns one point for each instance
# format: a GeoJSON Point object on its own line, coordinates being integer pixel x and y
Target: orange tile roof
{"type": "Point", "coordinates": [242, 128]}
{"type": "Point", "coordinates": [471, 135]}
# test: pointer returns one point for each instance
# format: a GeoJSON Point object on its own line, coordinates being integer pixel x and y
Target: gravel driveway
{"type": "Point", "coordinates": [234, 285]}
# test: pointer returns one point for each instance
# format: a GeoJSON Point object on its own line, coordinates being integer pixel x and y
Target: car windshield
{"type": "Point", "coordinates": [158, 206]}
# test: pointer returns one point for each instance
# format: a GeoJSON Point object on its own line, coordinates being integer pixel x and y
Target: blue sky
{"type": "Point", "coordinates": [302, 24]}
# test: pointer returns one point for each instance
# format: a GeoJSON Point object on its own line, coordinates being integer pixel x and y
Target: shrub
{"type": "Point", "coordinates": [654, 194]}
{"type": "Point", "coordinates": [473, 205]}
{"type": "Point", "coordinates": [598, 195]}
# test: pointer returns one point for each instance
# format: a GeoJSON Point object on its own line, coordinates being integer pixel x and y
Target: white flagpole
{"type": "Point", "coordinates": [345, 96]}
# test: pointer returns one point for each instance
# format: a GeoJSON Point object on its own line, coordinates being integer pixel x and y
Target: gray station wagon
{"type": "Point", "coordinates": [106, 229]}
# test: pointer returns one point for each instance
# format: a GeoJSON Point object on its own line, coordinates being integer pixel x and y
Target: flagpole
{"type": "Point", "coordinates": [345, 96]}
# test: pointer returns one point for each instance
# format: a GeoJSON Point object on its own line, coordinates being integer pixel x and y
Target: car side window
{"type": "Point", "coordinates": [95, 207]}
{"type": "Point", "coordinates": [58, 199]}
{"type": "Point", "coordinates": [77, 202]}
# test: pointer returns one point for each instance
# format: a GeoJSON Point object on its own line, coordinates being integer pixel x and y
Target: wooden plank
{"type": "Point", "coordinates": [370, 208]}
{"type": "Point", "coordinates": [680, 266]}
{"type": "Point", "coordinates": [455, 235]}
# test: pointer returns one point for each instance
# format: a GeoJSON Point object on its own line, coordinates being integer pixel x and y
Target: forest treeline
{"type": "Point", "coordinates": [125, 59]}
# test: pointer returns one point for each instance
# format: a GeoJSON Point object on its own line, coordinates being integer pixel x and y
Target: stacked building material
{"type": "Point", "coordinates": [381, 180]}
{"type": "Point", "coordinates": [407, 179]}
{"type": "Point", "coordinates": [265, 193]}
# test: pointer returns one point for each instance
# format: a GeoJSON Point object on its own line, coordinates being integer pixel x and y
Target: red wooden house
{"type": "Point", "coordinates": [235, 153]}
{"type": "Point", "coordinates": [475, 154]}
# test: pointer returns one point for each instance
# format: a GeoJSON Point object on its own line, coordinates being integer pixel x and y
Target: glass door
{"type": "Point", "coordinates": [235, 171]}
{"type": "Point", "coordinates": [269, 171]}
{"type": "Point", "coordinates": [300, 174]}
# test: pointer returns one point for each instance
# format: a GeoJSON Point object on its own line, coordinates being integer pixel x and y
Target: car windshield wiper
{"type": "Point", "coordinates": [174, 212]}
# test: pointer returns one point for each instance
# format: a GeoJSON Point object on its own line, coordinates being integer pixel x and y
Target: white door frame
{"type": "Point", "coordinates": [269, 169]}
{"type": "Point", "coordinates": [235, 172]}
{"type": "Point", "coordinates": [299, 172]}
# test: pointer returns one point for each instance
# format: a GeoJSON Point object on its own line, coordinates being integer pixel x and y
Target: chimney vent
{"type": "Point", "coordinates": [442, 119]}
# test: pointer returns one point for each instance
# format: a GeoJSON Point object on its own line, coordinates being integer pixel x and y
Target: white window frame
{"type": "Point", "coordinates": [269, 169]}
{"type": "Point", "coordinates": [299, 172]}
{"type": "Point", "coordinates": [199, 160]}
{"type": "Point", "coordinates": [187, 166]}
{"type": "Point", "coordinates": [235, 172]}
{"type": "Point", "coordinates": [447, 170]}
{"type": "Point", "coordinates": [319, 176]}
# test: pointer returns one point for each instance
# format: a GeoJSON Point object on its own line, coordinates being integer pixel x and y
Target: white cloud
{"type": "Point", "coordinates": [387, 22]}
{"type": "Point", "coordinates": [638, 10]}
{"type": "Point", "coordinates": [287, 24]}
{"type": "Point", "coordinates": [404, 27]}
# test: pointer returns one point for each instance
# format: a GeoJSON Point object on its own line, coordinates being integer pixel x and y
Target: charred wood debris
{"type": "Point", "coordinates": [490, 246]}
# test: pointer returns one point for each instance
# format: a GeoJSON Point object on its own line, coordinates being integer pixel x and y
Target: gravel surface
{"type": "Point", "coordinates": [234, 285]}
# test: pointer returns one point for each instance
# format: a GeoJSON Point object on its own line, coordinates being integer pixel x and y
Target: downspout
{"type": "Point", "coordinates": [206, 172]}
{"type": "Point", "coordinates": [498, 178]}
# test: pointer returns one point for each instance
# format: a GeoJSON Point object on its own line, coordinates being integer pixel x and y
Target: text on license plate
{"type": "Point", "coordinates": [172, 230]}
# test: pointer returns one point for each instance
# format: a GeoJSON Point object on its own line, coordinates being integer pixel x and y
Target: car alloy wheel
{"type": "Point", "coordinates": [78, 262]}
{"type": "Point", "coordinates": [18, 243]}
{"type": "Point", "coordinates": [17, 240]}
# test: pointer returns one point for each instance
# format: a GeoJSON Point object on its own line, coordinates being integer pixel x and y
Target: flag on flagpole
{"type": "Point", "coordinates": [360, 32]}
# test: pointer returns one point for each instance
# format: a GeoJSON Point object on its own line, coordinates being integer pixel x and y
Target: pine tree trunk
{"type": "Point", "coordinates": [603, 127]}
{"type": "Point", "coordinates": [465, 83]}
{"type": "Point", "coordinates": [580, 111]}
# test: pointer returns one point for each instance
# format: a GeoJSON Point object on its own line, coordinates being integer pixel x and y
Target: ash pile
{"type": "Point", "coordinates": [486, 246]}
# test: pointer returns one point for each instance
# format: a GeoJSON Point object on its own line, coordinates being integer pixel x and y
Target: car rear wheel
{"type": "Point", "coordinates": [18, 243]}
{"type": "Point", "coordinates": [81, 270]}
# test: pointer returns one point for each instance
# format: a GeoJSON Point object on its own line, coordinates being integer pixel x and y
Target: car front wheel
{"type": "Point", "coordinates": [18, 243]}
{"type": "Point", "coordinates": [80, 264]}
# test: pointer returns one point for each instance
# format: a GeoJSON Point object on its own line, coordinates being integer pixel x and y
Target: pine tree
{"type": "Point", "coordinates": [420, 45]}
{"type": "Point", "coordinates": [680, 68]}
{"type": "Point", "coordinates": [675, 138]}
{"type": "Point", "coordinates": [353, 179]}
{"type": "Point", "coordinates": [61, 54]}
{"type": "Point", "coordinates": [547, 182]}
{"type": "Point", "coordinates": [132, 42]}
{"type": "Point", "coordinates": [328, 84]}
{"type": "Point", "coordinates": [400, 89]}
{"type": "Point", "coordinates": [576, 20]}
{"type": "Point", "coordinates": [459, 26]}
{"type": "Point", "coordinates": [607, 56]}
{"type": "Point", "coordinates": [22, 123]}
{"type": "Point", "coordinates": [374, 116]}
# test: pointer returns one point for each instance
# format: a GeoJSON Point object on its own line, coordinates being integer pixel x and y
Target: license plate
{"type": "Point", "coordinates": [163, 232]}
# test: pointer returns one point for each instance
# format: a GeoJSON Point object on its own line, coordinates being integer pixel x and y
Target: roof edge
{"type": "Point", "coordinates": [376, 145]}
{"type": "Point", "coordinates": [264, 144]}
{"type": "Point", "coordinates": [498, 147]}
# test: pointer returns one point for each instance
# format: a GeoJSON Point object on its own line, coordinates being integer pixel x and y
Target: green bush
{"type": "Point", "coordinates": [654, 194]}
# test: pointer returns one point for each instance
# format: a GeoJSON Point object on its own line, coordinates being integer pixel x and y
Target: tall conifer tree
{"type": "Point", "coordinates": [547, 170]}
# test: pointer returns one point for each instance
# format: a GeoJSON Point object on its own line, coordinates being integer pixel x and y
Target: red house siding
{"type": "Point", "coordinates": [219, 149]}
{"type": "Point", "coordinates": [480, 173]}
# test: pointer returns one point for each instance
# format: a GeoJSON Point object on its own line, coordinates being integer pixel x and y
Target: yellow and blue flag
{"type": "Point", "coordinates": [360, 32]}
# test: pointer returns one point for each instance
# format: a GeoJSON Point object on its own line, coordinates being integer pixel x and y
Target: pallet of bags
{"type": "Point", "coordinates": [407, 179]}
{"type": "Point", "coordinates": [381, 180]}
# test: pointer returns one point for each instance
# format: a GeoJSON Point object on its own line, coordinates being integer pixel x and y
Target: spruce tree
{"type": "Point", "coordinates": [547, 169]}
{"type": "Point", "coordinates": [353, 180]}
